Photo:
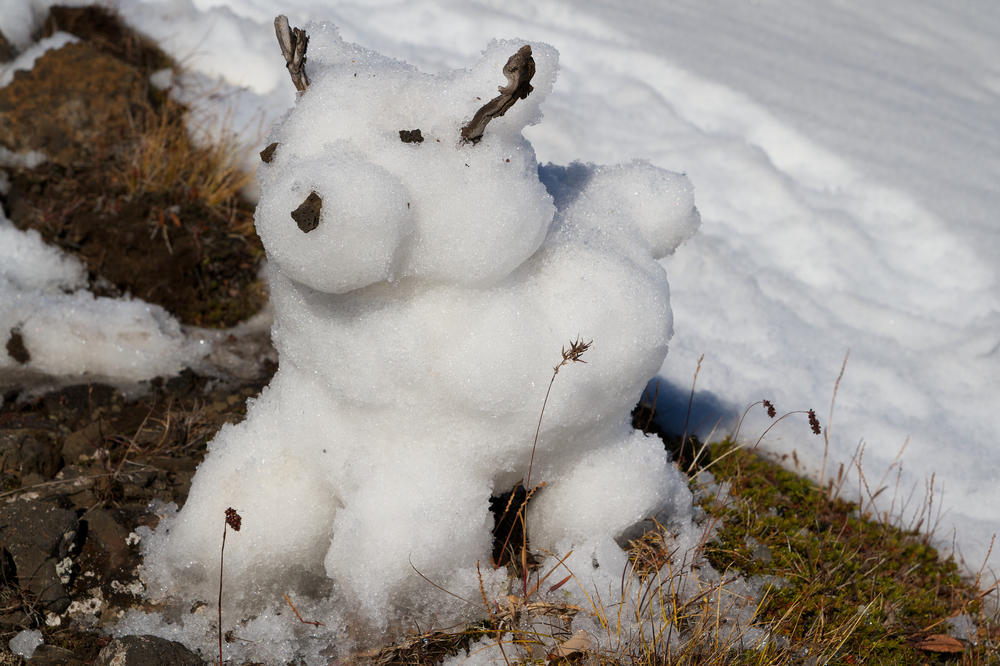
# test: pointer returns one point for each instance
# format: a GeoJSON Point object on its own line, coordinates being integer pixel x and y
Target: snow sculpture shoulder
{"type": "Point", "coordinates": [423, 286]}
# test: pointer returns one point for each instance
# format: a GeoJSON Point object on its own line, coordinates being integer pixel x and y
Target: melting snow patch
{"type": "Point", "coordinates": [26, 642]}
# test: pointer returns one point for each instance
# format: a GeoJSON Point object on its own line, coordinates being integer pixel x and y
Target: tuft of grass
{"type": "Point", "coordinates": [854, 588]}
{"type": "Point", "coordinates": [162, 159]}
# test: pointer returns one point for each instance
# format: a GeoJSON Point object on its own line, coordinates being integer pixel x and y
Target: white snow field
{"type": "Point", "coordinates": [846, 164]}
{"type": "Point", "coordinates": [845, 160]}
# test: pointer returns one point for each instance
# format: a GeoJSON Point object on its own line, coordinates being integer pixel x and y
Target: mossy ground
{"type": "Point", "coordinates": [855, 589]}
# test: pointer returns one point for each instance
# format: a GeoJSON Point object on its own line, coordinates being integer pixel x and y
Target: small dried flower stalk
{"type": "Point", "coordinates": [814, 422]}
{"type": "Point", "coordinates": [233, 519]}
{"type": "Point", "coordinates": [769, 406]}
{"type": "Point", "coordinates": [577, 348]}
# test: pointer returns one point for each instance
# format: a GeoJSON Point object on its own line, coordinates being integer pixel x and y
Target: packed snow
{"type": "Point", "coordinates": [70, 332]}
{"type": "Point", "coordinates": [845, 159]}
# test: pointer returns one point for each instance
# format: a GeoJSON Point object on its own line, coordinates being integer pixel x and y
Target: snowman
{"type": "Point", "coordinates": [425, 274]}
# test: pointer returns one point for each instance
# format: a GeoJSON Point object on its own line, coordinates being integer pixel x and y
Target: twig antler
{"type": "Point", "coordinates": [293, 43]}
{"type": "Point", "coordinates": [518, 70]}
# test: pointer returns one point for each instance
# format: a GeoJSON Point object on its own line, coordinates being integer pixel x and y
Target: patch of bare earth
{"type": "Point", "coordinates": [153, 215]}
{"type": "Point", "coordinates": [149, 212]}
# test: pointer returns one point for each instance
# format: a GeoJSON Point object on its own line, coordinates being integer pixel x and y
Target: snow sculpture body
{"type": "Point", "coordinates": [419, 311]}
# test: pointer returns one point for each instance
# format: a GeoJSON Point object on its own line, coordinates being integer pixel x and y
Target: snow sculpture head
{"type": "Point", "coordinates": [394, 209]}
{"type": "Point", "coordinates": [420, 305]}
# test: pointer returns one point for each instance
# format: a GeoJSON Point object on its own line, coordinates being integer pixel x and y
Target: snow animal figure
{"type": "Point", "coordinates": [423, 285]}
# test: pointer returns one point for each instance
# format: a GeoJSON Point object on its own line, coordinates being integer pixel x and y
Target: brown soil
{"type": "Point", "coordinates": [149, 213]}
{"type": "Point", "coordinates": [152, 215]}
{"type": "Point", "coordinates": [91, 451]}
{"type": "Point", "coordinates": [171, 250]}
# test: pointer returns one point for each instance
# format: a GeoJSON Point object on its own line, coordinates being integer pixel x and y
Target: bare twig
{"type": "Point", "coordinates": [687, 417]}
{"type": "Point", "coordinates": [295, 610]}
{"type": "Point", "coordinates": [293, 43]}
{"type": "Point", "coordinates": [518, 70]}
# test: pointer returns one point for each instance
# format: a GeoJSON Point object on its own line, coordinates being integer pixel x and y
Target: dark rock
{"type": "Point", "coordinates": [31, 451]}
{"type": "Point", "coordinates": [41, 454]}
{"type": "Point", "coordinates": [79, 398]}
{"type": "Point", "coordinates": [38, 536]}
{"type": "Point", "coordinates": [15, 347]}
{"type": "Point", "coordinates": [8, 571]}
{"type": "Point", "coordinates": [146, 650]}
{"type": "Point", "coordinates": [16, 619]}
{"type": "Point", "coordinates": [68, 103]}
{"type": "Point", "coordinates": [187, 381]}
{"type": "Point", "coordinates": [7, 50]}
{"type": "Point", "coordinates": [267, 154]}
{"type": "Point", "coordinates": [411, 136]}
{"type": "Point", "coordinates": [307, 214]}
{"type": "Point", "coordinates": [50, 655]}
{"type": "Point", "coordinates": [110, 536]}
{"type": "Point", "coordinates": [78, 487]}
{"type": "Point", "coordinates": [83, 442]}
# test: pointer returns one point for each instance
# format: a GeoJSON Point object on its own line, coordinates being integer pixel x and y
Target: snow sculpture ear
{"type": "Point", "coordinates": [519, 70]}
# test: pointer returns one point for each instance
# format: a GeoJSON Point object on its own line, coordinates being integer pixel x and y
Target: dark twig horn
{"type": "Point", "coordinates": [518, 70]}
{"type": "Point", "coordinates": [293, 43]}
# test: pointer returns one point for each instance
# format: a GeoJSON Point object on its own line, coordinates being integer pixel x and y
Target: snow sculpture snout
{"type": "Point", "coordinates": [357, 227]}
{"type": "Point", "coordinates": [422, 292]}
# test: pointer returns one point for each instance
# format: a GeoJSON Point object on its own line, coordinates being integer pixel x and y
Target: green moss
{"type": "Point", "coordinates": [857, 589]}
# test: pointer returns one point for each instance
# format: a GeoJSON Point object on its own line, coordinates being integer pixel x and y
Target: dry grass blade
{"type": "Point", "coordinates": [295, 610]}
{"type": "Point", "coordinates": [940, 643]}
{"type": "Point", "coordinates": [165, 160]}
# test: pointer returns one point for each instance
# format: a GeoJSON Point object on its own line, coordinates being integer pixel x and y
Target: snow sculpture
{"type": "Point", "coordinates": [423, 286]}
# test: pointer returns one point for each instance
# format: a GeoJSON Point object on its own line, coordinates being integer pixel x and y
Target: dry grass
{"type": "Point", "coordinates": [163, 159]}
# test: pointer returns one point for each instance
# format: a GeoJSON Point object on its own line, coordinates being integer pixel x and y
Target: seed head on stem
{"type": "Point", "coordinates": [576, 350]}
{"type": "Point", "coordinates": [233, 520]}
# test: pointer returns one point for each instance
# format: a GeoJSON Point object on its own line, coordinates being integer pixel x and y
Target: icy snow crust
{"type": "Point", "coordinates": [69, 331]}
{"type": "Point", "coordinates": [417, 328]}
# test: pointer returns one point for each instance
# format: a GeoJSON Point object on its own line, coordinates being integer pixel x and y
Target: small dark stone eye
{"type": "Point", "coordinates": [267, 154]}
{"type": "Point", "coordinates": [411, 136]}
